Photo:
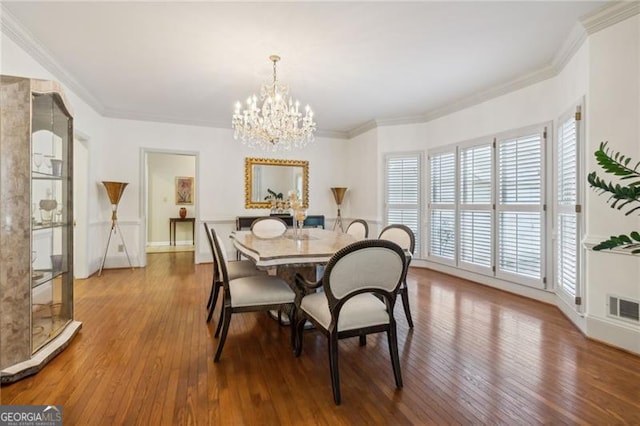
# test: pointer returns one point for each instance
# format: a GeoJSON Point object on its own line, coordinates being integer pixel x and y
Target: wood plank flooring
{"type": "Point", "coordinates": [475, 356]}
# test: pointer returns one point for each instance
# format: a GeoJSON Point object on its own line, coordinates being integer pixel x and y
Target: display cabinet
{"type": "Point", "coordinates": [36, 235]}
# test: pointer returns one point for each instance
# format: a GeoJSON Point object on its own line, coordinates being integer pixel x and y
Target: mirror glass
{"type": "Point", "coordinates": [266, 179]}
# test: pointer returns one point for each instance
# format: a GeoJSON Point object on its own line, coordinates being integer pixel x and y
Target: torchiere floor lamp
{"type": "Point", "coordinates": [338, 194]}
{"type": "Point", "coordinates": [114, 191]}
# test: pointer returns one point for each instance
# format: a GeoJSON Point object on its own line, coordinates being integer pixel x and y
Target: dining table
{"type": "Point", "coordinates": [292, 253]}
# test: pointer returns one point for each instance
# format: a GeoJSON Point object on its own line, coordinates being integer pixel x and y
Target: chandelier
{"type": "Point", "coordinates": [278, 124]}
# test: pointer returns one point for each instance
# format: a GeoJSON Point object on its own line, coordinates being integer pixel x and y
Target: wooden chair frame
{"type": "Point", "coordinates": [304, 286]}
{"type": "Point", "coordinates": [404, 293]}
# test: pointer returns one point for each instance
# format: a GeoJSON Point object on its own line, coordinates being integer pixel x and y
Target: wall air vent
{"type": "Point", "coordinates": [623, 308]}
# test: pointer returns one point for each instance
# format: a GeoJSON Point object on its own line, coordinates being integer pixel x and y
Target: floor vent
{"type": "Point", "coordinates": [624, 308]}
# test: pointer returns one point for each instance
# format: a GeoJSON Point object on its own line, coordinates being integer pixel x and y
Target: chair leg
{"type": "Point", "coordinates": [213, 285]}
{"type": "Point", "coordinates": [225, 330]}
{"type": "Point", "coordinates": [292, 325]}
{"type": "Point", "coordinates": [404, 293]}
{"type": "Point", "coordinates": [220, 320]}
{"type": "Point", "coordinates": [333, 367]}
{"type": "Point", "coordinates": [393, 352]}
{"type": "Point", "coordinates": [363, 340]}
{"type": "Point", "coordinates": [299, 328]}
{"type": "Point", "coordinates": [214, 298]}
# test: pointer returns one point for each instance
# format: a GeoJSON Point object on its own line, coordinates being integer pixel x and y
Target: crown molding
{"type": "Point", "coordinates": [12, 28]}
{"type": "Point", "coordinates": [610, 14]}
{"type": "Point", "coordinates": [363, 128]}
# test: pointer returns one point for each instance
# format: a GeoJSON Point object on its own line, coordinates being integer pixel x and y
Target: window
{"type": "Point", "coordinates": [476, 233]}
{"type": "Point", "coordinates": [494, 221]}
{"type": "Point", "coordinates": [402, 195]}
{"type": "Point", "coordinates": [442, 199]}
{"type": "Point", "coordinates": [567, 207]}
{"type": "Point", "coordinates": [520, 207]}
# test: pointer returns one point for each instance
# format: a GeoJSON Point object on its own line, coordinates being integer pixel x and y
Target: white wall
{"type": "Point", "coordinates": [162, 171]}
{"type": "Point", "coordinates": [614, 116]}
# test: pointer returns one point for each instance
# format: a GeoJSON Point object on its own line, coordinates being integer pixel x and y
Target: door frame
{"type": "Point", "coordinates": [144, 180]}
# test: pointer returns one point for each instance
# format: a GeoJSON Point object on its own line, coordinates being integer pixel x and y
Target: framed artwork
{"type": "Point", "coordinates": [184, 190]}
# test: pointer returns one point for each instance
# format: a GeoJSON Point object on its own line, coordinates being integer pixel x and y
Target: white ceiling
{"type": "Point", "coordinates": [353, 62]}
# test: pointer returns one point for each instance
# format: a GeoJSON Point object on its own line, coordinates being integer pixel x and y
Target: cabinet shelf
{"type": "Point", "coordinates": [43, 276]}
{"type": "Point", "coordinates": [39, 226]}
{"type": "Point", "coordinates": [46, 176]}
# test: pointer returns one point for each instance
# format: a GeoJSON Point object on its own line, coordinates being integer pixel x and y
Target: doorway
{"type": "Point", "coordinates": [167, 174]}
{"type": "Point", "coordinates": [80, 206]}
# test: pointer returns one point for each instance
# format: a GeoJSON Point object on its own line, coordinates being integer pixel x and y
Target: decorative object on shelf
{"type": "Point", "coordinates": [114, 191]}
{"type": "Point", "coordinates": [277, 124]}
{"type": "Point", "coordinates": [37, 160]}
{"type": "Point", "coordinates": [622, 196]}
{"type": "Point", "coordinates": [56, 262]}
{"type": "Point", "coordinates": [46, 210]}
{"type": "Point", "coordinates": [184, 190]}
{"type": "Point", "coordinates": [56, 167]}
{"type": "Point", "coordinates": [338, 195]}
{"type": "Point", "coordinates": [183, 212]}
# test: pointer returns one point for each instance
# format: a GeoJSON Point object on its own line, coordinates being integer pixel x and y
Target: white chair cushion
{"type": "Point", "coordinates": [260, 290]}
{"type": "Point", "coordinates": [398, 236]}
{"type": "Point", "coordinates": [242, 268]}
{"type": "Point", "coordinates": [363, 310]}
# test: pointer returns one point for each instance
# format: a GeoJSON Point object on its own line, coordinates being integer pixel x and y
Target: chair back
{"type": "Point", "coordinates": [374, 266]}
{"type": "Point", "coordinates": [402, 235]}
{"type": "Point", "coordinates": [359, 229]}
{"type": "Point", "coordinates": [268, 227]}
{"type": "Point", "coordinates": [216, 270]}
{"type": "Point", "coordinates": [220, 258]}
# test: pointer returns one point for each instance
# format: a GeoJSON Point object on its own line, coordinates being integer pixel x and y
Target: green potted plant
{"type": "Point", "coordinates": [622, 197]}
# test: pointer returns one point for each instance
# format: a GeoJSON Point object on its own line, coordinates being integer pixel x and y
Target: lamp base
{"type": "Point", "coordinates": [338, 222]}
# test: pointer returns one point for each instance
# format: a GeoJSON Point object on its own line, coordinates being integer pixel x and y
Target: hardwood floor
{"type": "Point", "coordinates": [476, 356]}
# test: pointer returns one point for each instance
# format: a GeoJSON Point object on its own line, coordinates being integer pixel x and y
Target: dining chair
{"type": "Point", "coordinates": [360, 284]}
{"type": "Point", "coordinates": [268, 227]}
{"type": "Point", "coordinates": [235, 269]}
{"type": "Point", "coordinates": [249, 294]}
{"type": "Point", "coordinates": [358, 228]}
{"type": "Point", "coordinates": [403, 236]}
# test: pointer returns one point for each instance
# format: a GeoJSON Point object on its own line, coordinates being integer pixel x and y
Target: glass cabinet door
{"type": "Point", "coordinates": [51, 219]}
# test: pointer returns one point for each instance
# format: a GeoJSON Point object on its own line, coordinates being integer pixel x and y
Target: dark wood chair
{"type": "Point", "coordinates": [248, 294]}
{"type": "Point", "coordinates": [358, 228]}
{"type": "Point", "coordinates": [403, 236]}
{"type": "Point", "coordinates": [235, 269]}
{"type": "Point", "coordinates": [360, 284]}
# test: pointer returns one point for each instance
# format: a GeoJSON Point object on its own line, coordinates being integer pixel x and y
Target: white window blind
{"type": "Point", "coordinates": [567, 219]}
{"type": "Point", "coordinates": [476, 236]}
{"type": "Point", "coordinates": [403, 200]}
{"type": "Point", "coordinates": [442, 199]}
{"type": "Point", "coordinates": [520, 219]}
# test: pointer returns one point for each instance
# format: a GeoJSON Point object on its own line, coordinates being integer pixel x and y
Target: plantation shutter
{"type": "Point", "coordinates": [476, 184]}
{"type": "Point", "coordinates": [566, 207]}
{"type": "Point", "coordinates": [520, 208]}
{"type": "Point", "coordinates": [442, 199]}
{"type": "Point", "coordinates": [403, 199]}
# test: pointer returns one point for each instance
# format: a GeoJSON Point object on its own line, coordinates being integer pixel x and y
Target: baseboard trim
{"type": "Point", "coordinates": [614, 333]}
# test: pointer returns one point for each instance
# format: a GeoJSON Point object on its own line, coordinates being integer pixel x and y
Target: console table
{"type": "Point", "coordinates": [172, 227]}
{"type": "Point", "coordinates": [312, 221]}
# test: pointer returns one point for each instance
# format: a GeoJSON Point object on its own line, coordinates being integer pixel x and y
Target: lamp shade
{"type": "Point", "coordinates": [115, 190]}
{"type": "Point", "coordinates": [338, 194]}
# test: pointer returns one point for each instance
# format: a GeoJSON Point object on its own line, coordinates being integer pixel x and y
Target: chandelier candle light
{"type": "Point", "coordinates": [278, 124]}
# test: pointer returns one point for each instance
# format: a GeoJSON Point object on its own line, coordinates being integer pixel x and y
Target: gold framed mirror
{"type": "Point", "coordinates": [266, 178]}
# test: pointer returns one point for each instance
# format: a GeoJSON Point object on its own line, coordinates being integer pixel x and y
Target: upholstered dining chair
{"type": "Point", "coordinates": [403, 236]}
{"type": "Point", "coordinates": [360, 284]}
{"type": "Point", "coordinates": [249, 294]}
{"type": "Point", "coordinates": [268, 227]}
{"type": "Point", "coordinates": [235, 269]}
{"type": "Point", "coordinates": [359, 229]}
